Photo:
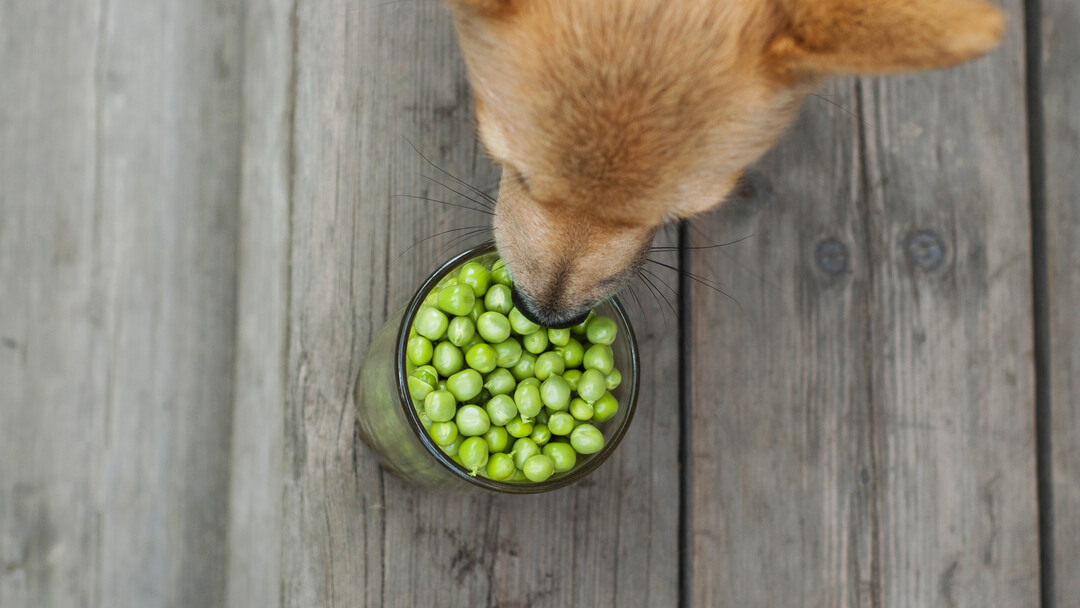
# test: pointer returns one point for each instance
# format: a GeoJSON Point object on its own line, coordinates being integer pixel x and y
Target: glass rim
{"type": "Point", "coordinates": [405, 399]}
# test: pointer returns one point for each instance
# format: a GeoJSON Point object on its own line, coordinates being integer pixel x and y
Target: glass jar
{"type": "Point", "coordinates": [390, 425]}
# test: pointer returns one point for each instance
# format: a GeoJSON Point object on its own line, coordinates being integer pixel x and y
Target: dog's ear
{"type": "Point", "coordinates": [823, 37]}
{"type": "Point", "coordinates": [487, 8]}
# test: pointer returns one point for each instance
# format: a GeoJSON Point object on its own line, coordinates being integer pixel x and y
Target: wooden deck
{"type": "Point", "coordinates": [199, 235]}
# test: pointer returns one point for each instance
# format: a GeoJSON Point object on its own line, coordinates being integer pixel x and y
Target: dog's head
{"type": "Point", "coordinates": [611, 117]}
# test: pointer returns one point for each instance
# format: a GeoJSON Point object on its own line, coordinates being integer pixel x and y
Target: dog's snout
{"type": "Point", "coordinates": [545, 314]}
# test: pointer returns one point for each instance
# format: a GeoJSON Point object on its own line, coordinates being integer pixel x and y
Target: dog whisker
{"type": "Point", "coordinates": [484, 203]}
{"type": "Point", "coordinates": [441, 202]}
{"type": "Point", "coordinates": [843, 109]}
{"type": "Point", "coordinates": [448, 174]}
{"type": "Point", "coordinates": [637, 302]}
{"type": "Point", "coordinates": [674, 248]}
{"type": "Point", "coordinates": [660, 293]}
{"type": "Point", "coordinates": [697, 279]}
{"type": "Point", "coordinates": [436, 235]}
{"type": "Point", "coordinates": [463, 237]}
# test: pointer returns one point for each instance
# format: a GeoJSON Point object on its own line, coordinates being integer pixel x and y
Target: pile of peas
{"type": "Point", "coordinates": [502, 396]}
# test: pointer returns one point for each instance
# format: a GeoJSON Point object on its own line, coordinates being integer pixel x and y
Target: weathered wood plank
{"type": "Point", "coordinates": [256, 482]}
{"type": "Point", "coordinates": [119, 145]}
{"type": "Point", "coordinates": [779, 447]}
{"type": "Point", "coordinates": [369, 77]}
{"type": "Point", "coordinates": [952, 355]}
{"type": "Point", "coordinates": [1061, 99]}
{"type": "Point", "coordinates": [874, 443]}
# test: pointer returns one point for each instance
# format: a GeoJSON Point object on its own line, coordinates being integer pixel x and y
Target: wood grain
{"type": "Point", "coordinates": [374, 78]}
{"type": "Point", "coordinates": [953, 371]}
{"type": "Point", "coordinates": [119, 150]}
{"type": "Point", "coordinates": [256, 465]}
{"type": "Point", "coordinates": [1061, 103]}
{"type": "Point", "coordinates": [873, 438]}
{"type": "Point", "coordinates": [782, 512]}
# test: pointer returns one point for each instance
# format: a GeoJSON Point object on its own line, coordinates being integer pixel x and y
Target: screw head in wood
{"type": "Point", "coordinates": [925, 249]}
{"type": "Point", "coordinates": [832, 256]}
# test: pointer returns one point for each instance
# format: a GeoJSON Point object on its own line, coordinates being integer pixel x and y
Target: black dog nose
{"type": "Point", "coordinates": [545, 318]}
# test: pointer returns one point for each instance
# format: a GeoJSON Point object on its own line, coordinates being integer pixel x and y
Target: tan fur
{"type": "Point", "coordinates": [611, 117]}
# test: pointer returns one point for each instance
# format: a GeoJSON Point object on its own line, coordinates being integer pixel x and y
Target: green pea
{"type": "Point", "coordinates": [572, 376]}
{"type": "Point", "coordinates": [452, 449]}
{"type": "Point", "coordinates": [560, 423]}
{"type": "Point", "coordinates": [601, 330]}
{"type": "Point", "coordinates": [605, 408]}
{"type": "Point", "coordinates": [432, 299]}
{"type": "Point", "coordinates": [562, 456]}
{"type": "Point", "coordinates": [580, 328]}
{"type": "Point", "coordinates": [614, 379]}
{"type": "Point", "coordinates": [472, 420]}
{"type": "Point", "coordinates": [555, 393]}
{"type": "Point", "coordinates": [533, 381]}
{"type": "Point", "coordinates": [519, 476]}
{"type": "Point", "coordinates": [456, 300]}
{"type": "Point", "coordinates": [519, 428]}
{"type": "Point", "coordinates": [599, 357]}
{"type": "Point", "coordinates": [419, 350]}
{"type": "Point", "coordinates": [572, 353]}
{"type": "Point", "coordinates": [460, 331]}
{"type": "Point", "coordinates": [499, 299]}
{"type": "Point", "coordinates": [425, 421]}
{"type": "Point", "coordinates": [443, 433]}
{"type": "Point", "coordinates": [476, 276]}
{"type": "Point", "coordinates": [524, 448]}
{"type": "Point", "coordinates": [426, 374]}
{"type": "Point", "coordinates": [448, 280]}
{"type": "Point", "coordinates": [507, 352]}
{"type": "Point", "coordinates": [447, 359]}
{"type": "Point", "coordinates": [538, 468]}
{"type": "Point", "coordinates": [501, 409]}
{"type": "Point", "coordinates": [465, 384]}
{"type": "Point", "coordinates": [474, 454]}
{"type": "Point", "coordinates": [497, 439]}
{"type": "Point", "coordinates": [524, 367]}
{"type": "Point", "coordinates": [587, 439]}
{"type": "Point", "coordinates": [547, 364]}
{"type": "Point", "coordinates": [540, 434]}
{"type": "Point", "coordinates": [536, 342]}
{"type": "Point", "coordinates": [542, 417]}
{"type": "Point", "coordinates": [581, 410]}
{"type": "Point", "coordinates": [501, 274]}
{"type": "Point", "coordinates": [592, 385]}
{"type": "Point", "coordinates": [440, 406]}
{"type": "Point", "coordinates": [500, 382]}
{"type": "Point", "coordinates": [527, 398]}
{"type": "Point", "coordinates": [477, 310]}
{"type": "Point", "coordinates": [418, 389]}
{"type": "Point", "coordinates": [481, 357]}
{"type": "Point", "coordinates": [493, 326]}
{"type": "Point", "coordinates": [500, 467]}
{"type": "Point", "coordinates": [520, 324]}
{"type": "Point", "coordinates": [430, 323]}
{"type": "Point", "coordinates": [558, 337]}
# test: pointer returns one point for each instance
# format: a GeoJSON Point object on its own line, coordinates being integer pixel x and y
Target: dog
{"type": "Point", "coordinates": [610, 118]}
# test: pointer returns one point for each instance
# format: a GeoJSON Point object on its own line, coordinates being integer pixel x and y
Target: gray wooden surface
{"type": "Point", "coordinates": [199, 235]}
{"type": "Point", "coordinates": [119, 155]}
{"type": "Point", "coordinates": [1061, 102]}
{"type": "Point", "coordinates": [864, 423]}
